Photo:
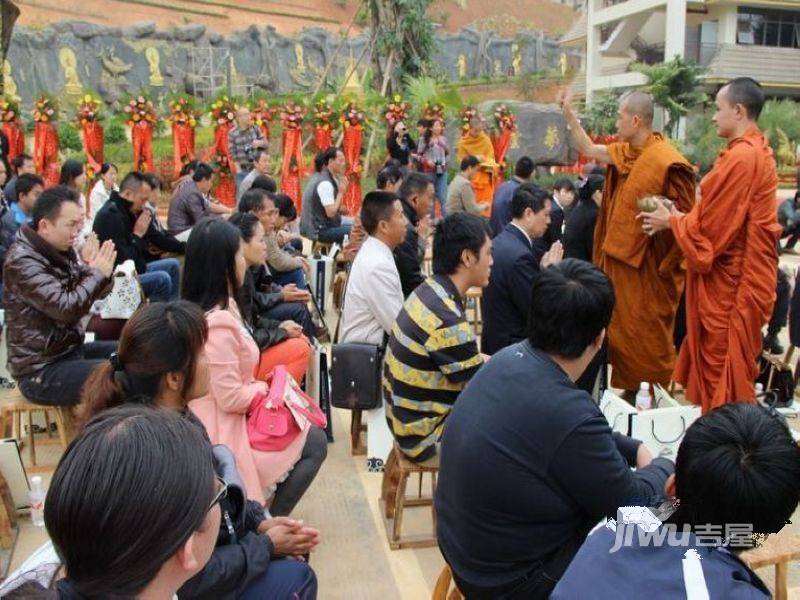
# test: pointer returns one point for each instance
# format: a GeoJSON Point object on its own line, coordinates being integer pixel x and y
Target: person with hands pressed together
{"type": "Point", "coordinates": [321, 217]}
{"type": "Point", "coordinates": [506, 300]}
{"type": "Point", "coordinates": [47, 292]}
{"type": "Point", "coordinates": [646, 271]}
{"type": "Point", "coordinates": [162, 363]}
{"type": "Point", "coordinates": [729, 240]}
{"type": "Point", "coordinates": [125, 220]}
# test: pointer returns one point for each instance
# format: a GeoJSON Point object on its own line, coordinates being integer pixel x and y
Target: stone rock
{"type": "Point", "coordinates": [139, 30]}
{"type": "Point", "coordinates": [86, 31]}
{"type": "Point", "coordinates": [215, 39]}
{"type": "Point", "coordinates": [162, 34]}
{"type": "Point", "coordinates": [190, 32]}
{"type": "Point", "coordinates": [541, 132]}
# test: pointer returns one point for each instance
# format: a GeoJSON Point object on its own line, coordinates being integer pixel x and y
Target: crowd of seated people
{"type": "Point", "coordinates": [528, 465]}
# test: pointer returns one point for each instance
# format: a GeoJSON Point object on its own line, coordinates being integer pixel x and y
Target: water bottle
{"type": "Point", "coordinates": [643, 401]}
{"type": "Point", "coordinates": [36, 496]}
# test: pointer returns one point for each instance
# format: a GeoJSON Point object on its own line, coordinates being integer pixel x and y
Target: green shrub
{"type": "Point", "coordinates": [114, 132]}
{"type": "Point", "coordinates": [69, 137]}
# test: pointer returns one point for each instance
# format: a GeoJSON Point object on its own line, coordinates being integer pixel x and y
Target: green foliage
{"type": "Point", "coordinates": [69, 137]}
{"type": "Point", "coordinates": [526, 84]}
{"type": "Point", "coordinates": [114, 131]}
{"type": "Point", "coordinates": [702, 142]}
{"type": "Point", "coordinates": [423, 90]}
{"type": "Point", "coordinates": [674, 86]}
{"type": "Point", "coordinates": [780, 114]}
{"type": "Point", "coordinates": [600, 117]}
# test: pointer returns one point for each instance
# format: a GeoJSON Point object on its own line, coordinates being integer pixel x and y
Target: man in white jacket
{"type": "Point", "coordinates": [374, 296]}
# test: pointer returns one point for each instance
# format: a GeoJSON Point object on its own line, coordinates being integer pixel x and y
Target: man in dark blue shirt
{"type": "Point", "coordinates": [528, 462]}
{"type": "Point", "coordinates": [501, 203]}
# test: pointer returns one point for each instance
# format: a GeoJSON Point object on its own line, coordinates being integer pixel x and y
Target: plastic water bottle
{"type": "Point", "coordinates": [643, 401]}
{"type": "Point", "coordinates": [36, 496]}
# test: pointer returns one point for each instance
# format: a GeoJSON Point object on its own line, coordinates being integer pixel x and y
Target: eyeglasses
{"type": "Point", "coordinates": [222, 492]}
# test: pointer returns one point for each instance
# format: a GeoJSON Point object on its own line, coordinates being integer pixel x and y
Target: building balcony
{"type": "Point", "coordinates": [776, 69]}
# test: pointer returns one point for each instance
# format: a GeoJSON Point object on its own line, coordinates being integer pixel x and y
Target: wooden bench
{"type": "Point", "coordinates": [13, 405]}
{"type": "Point", "coordinates": [446, 588]}
{"type": "Point", "coordinates": [778, 550]}
{"type": "Point", "coordinates": [393, 499]}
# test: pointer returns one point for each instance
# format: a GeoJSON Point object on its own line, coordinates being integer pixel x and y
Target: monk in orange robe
{"type": "Point", "coordinates": [475, 142]}
{"type": "Point", "coordinates": [730, 241]}
{"type": "Point", "coordinates": [646, 271]}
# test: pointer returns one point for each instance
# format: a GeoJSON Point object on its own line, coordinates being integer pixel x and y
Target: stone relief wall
{"type": "Point", "coordinates": [71, 56]}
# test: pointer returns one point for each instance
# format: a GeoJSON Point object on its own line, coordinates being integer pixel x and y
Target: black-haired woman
{"type": "Point", "coordinates": [213, 276]}
{"type": "Point", "coordinates": [579, 229]}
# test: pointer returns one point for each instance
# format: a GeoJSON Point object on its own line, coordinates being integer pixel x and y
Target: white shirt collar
{"type": "Point", "coordinates": [557, 202]}
{"type": "Point", "coordinates": [384, 248]}
{"type": "Point", "coordinates": [525, 233]}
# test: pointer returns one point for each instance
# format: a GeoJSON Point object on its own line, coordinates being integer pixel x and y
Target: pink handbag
{"type": "Point", "coordinates": [276, 419]}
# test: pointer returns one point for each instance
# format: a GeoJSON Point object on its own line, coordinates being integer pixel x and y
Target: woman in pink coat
{"type": "Point", "coordinates": [213, 275]}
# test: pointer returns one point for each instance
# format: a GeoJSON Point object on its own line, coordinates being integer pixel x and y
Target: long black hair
{"type": "Point", "coordinates": [128, 493]}
{"type": "Point", "coordinates": [209, 273]}
{"type": "Point", "coordinates": [589, 187]}
{"type": "Point", "coordinates": [160, 338]}
{"type": "Point", "coordinates": [70, 171]}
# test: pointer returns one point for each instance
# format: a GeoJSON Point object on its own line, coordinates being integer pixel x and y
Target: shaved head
{"type": "Point", "coordinates": [639, 104]}
{"type": "Point", "coordinates": [748, 93]}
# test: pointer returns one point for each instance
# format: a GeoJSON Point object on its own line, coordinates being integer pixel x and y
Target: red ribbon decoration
{"type": "Point", "coordinates": [92, 141]}
{"type": "Point", "coordinates": [353, 137]}
{"type": "Point", "coordinates": [45, 152]}
{"type": "Point", "coordinates": [501, 143]}
{"type": "Point", "coordinates": [292, 167]}
{"type": "Point", "coordinates": [225, 191]}
{"type": "Point", "coordinates": [323, 138]}
{"type": "Point", "coordinates": [16, 139]}
{"type": "Point", "coordinates": [182, 145]}
{"type": "Point", "coordinates": [142, 138]}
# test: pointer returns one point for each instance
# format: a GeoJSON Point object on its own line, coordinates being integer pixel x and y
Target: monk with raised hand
{"type": "Point", "coordinates": [729, 240]}
{"type": "Point", "coordinates": [646, 271]}
{"type": "Point", "coordinates": [476, 142]}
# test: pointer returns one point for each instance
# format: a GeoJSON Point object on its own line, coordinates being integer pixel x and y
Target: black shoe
{"type": "Point", "coordinates": [772, 345]}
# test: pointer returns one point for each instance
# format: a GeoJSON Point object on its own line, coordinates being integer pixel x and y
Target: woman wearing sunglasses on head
{"type": "Point", "coordinates": [161, 362]}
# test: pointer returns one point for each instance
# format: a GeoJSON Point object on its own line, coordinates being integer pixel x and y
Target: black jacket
{"type": "Point", "coordinates": [115, 222]}
{"type": "Point", "coordinates": [407, 256]}
{"type": "Point", "coordinates": [544, 468]}
{"type": "Point", "coordinates": [401, 152]}
{"type": "Point", "coordinates": [579, 232]}
{"type": "Point", "coordinates": [554, 230]}
{"type": "Point", "coordinates": [507, 298]}
{"type": "Point", "coordinates": [259, 295]}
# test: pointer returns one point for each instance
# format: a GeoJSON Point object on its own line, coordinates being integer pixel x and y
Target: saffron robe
{"type": "Point", "coordinates": [483, 180]}
{"type": "Point", "coordinates": [730, 241]}
{"type": "Point", "coordinates": [646, 271]}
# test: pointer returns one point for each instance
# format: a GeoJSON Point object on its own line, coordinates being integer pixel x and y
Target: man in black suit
{"type": "Point", "coordinates": [506, 300]}
{"type": "Point", "coordinates": [562, 202]}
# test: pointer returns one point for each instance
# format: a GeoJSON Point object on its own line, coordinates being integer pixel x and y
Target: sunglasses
{"type": "Point", "coordinates": [222, 492]}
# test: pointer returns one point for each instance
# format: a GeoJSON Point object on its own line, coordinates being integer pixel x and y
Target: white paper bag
{"type": "Point", "coordinates": [125, 297]}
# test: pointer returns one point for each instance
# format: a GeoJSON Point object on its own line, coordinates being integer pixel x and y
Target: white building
{"type": "Point", "coordinates": [759, 39]}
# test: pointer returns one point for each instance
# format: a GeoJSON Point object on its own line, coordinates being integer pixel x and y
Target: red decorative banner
{"type": "Point", "coordinates": [182, 145]}
{"type": "Point", "coordinates": [353, 138]}
{"type": "Point", "coordinates": [45, 152]}
{"type": "Point", "coordinates": [501, 144]}
{"type": "Point", "coordinates": [292, 168]}
{"type": "Point", "coordinates": [16, 139]}
{"type": "Point", "coordinates": [142, 138]}
{"type": "Point", "coordinates": [225, 191]}
{"type": "Point", "coordinates": [93, 147]}
{"type": "Point", "coordinates": [323, 138]}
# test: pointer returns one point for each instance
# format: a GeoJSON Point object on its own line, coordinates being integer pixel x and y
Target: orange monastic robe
{"type": "Point", "coordinates": [483, 181]}
{"type": "Point", "coordinates": [646, 272]}
{"type": "Point", "coordinates": [729, 240]}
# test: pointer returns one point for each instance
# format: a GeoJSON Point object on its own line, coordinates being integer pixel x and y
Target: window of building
{"type": "Point", "coordinates": [767, 27]}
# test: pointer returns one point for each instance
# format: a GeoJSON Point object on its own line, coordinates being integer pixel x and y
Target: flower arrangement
{"type": "Point", "coordinates": [223, 111]}
{"type": "Point", "coordinates": [292, 115]}
{"type": "Point", "coordinates": [263, 113]}
{"type": "Point", "coordinates": [433, 111]}
{"type": "Point", "coordinates": [221, 164]}
{"type": "Point", "coordinates": [89, 110]}
{"type": "Point", "coordinates": [140, 110]}
{"type": "Point", "coordinates": [353, 116]}
{"type": "Point", "coordinates": [182, 111]}
{"type": "Point", "coordinates": [504, 118]}
{"type": "Point", "coordinates": [396, 110]}
{"type": "Point", "coordinates": [9, 110]}
{"type": "Point", "coordinates": [45, 109]}
{"type": "Point", "coordinates": [323, 114]}
{"type": "Point", "coordinates": [467, 114]}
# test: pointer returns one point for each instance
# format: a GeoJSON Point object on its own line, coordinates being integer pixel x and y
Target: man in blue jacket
{"type": "Point", "coordinates": [501, 203]}
{"type": "Point", "coordinates": [737, 474]}
{"type": "Point", "coordinates": [507, 298]}
{"type": "Point", "coordinates": [528, 463]}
